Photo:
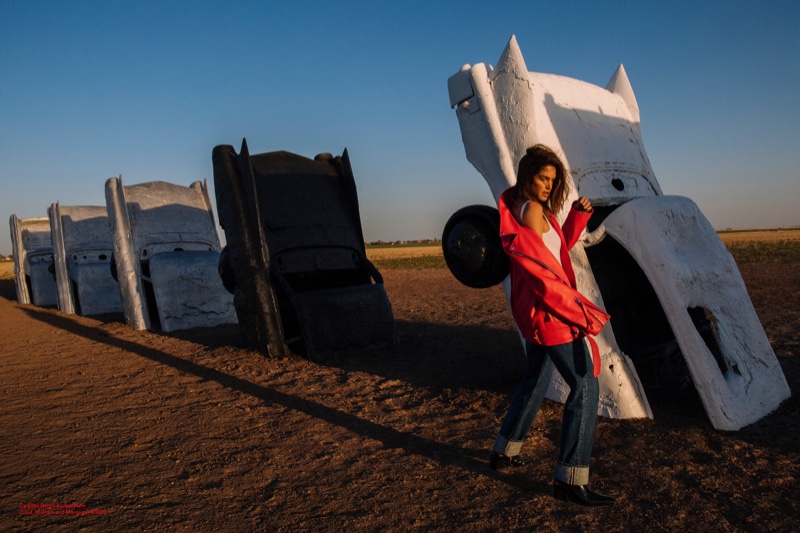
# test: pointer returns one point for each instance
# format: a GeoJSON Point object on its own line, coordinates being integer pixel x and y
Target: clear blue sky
{"type": "Point", "coordinates": [94, 89]}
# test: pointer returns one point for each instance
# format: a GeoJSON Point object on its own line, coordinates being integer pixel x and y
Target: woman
{"type": "Point", "coordinates": [555, 320]}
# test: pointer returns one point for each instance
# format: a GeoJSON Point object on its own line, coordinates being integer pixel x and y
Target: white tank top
{"type": "Point", "coordinates": [553, 242]}
{"type": "Point", "coordinates": [550, 237]}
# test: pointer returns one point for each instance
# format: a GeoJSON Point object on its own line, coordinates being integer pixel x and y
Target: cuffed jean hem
{"type": "Point", "coordinates": [574, 475]}
{"type": "Point", "coordinates": [510, 448]}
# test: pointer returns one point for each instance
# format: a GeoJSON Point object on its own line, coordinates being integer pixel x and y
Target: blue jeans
{"type": "Point", "coordinates": [573, 362]}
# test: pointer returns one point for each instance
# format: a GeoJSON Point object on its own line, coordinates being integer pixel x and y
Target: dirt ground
{"type": "Point", "coordinates": [103, 428]}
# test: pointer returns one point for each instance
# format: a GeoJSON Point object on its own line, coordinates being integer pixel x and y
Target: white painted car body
{"type": "Point", "coordinates": [504, 110]}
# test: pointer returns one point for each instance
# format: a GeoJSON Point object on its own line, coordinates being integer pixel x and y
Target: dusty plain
{"type": "Point", "coordinates": [103, 428]}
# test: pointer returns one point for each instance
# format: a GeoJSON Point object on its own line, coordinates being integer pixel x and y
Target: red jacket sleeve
{"type": "Point", "coordinates": [573, 226]}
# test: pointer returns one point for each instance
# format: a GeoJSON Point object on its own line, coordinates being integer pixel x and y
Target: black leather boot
{"type": "Point", "coordinates": [580, 494]}
{"type": "Point", "coordinates": [498, 460]}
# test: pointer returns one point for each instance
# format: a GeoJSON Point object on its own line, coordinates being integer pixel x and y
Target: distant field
{"type": "Point", "coordinates": [392, 251]}
{"type": "Point", "coordinates": [407, 256]}
{"type": "Point", "coordinates": [782, 245]}
{"type": "Point", "coordinates": [759, 235]}
{"type": "Point", "coordinates": [6, 270]}
{"type": "Point", "coordinates": [779, 245]}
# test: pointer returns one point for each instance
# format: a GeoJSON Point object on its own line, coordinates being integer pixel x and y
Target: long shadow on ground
{"type": "Point", "coordinates": [448, 455]}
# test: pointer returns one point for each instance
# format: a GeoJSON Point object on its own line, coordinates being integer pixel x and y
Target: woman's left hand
{"type": "Point", "coordinates": [582, 204]}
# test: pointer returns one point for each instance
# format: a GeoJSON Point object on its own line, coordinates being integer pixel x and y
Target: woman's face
{"type": "Point", "coordinates": [541, 185]}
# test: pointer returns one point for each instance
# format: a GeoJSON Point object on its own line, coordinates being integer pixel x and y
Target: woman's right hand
{"type": "Point", "coordinates": [582, 204]}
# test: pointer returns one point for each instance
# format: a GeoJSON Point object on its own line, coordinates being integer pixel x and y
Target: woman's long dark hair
{"type": "Point", "coordinates": [535, 159]}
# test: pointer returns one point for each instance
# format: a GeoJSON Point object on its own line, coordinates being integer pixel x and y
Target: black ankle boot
{"type": "Point", "coordinates": [580, 494]}
{"type": "Point", "coordinates": [498, 460]}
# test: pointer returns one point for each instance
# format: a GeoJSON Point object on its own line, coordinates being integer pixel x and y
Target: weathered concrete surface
{"type": "Point", "coordinates": [504, 110]}
{"type": "Point", "coordinates": [32, 248]}
{"type": "Point", "coordinates": [166, 252]}
{"type": "Point", "coordinates": [82, 257]}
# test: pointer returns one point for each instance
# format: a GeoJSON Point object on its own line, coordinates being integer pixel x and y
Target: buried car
{"type": "Point", "coordinates": [166, 251]}
{"type": "Point", "coordinates": [82, 255]}
{"type": "Point", "coordinates": [295, 258]}
{"type": "Point", "coordinates": [32, 248]}
{"type": "Point", "coordinates": [653, 261]}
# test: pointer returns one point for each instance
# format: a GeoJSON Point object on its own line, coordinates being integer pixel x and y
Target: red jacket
{"type": "Point", "coordinates": [545, 303]}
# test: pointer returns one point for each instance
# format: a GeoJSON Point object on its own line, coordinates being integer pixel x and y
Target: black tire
{"type": "Point", "coordinates": [472, 247]}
